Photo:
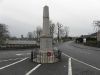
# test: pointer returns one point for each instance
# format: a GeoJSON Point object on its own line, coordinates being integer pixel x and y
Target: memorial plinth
{"type": "Point", "coordinates": [46, 53]}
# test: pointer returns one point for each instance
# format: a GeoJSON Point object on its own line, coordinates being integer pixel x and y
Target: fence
{"type": "Point", "coordinates": [17, 46]}
{"type": "Point", "coordinates": [45, 57]}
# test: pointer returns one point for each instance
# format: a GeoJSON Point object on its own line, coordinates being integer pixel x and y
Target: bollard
{"type": "Point", "coordinates": [31, 55]}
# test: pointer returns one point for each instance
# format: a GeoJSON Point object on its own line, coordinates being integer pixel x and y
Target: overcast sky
{"type": "Point", "coordinates": [23, 16]}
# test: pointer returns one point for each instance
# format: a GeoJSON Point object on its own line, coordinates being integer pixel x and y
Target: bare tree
{"type": "Point", "coordinates": [97, 25]}
{"type": "Point", "coordinates": [62, 32]}
{"type": "Point", "coordinates": [3, 33]}
{"type": "Point", "coordinates": [52, 28]}
{"type": "Point", "coordinates": [66, 30]}
{"type": "Point", "coordinates": [38, 33]}
{"type": "Point", "coordinates": [34, 34]}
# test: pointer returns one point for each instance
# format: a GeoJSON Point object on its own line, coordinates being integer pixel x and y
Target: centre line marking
{"type": "Point", "coordinates": [33, 69]}
{"type": "Point", "coordinates": [13, 63]}
{"type": "Point", "coordinates": [69, 67]}
{"type": "Point", "coordinates": [82, 62]}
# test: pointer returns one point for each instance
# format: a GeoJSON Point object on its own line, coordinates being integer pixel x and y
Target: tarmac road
{"type": "Point", "coordinates": [85, 60]}
{"type": "Point", "coordinates": [76, 60]}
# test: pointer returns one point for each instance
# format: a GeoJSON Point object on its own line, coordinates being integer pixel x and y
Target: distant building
{"type": "Point", "coordinates": [22, 36]}
{"type": "Point", "coordinates": [93, 35]}
{"type": "Point", "coordinates": [30, 35]}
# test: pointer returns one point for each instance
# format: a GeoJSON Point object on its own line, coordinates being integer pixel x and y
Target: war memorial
{"type": "Point", "coordinates": [46, 53]}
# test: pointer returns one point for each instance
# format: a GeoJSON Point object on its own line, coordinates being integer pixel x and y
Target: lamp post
{"type": "Point", "coordinates": [59, 27]}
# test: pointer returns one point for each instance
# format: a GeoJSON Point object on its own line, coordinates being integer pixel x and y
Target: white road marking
{"type": "Point", "coordinates": [10, 59]}
{"type": "Point", "coordinates": [33, 69]}
{"type": "Point", "coordinates": [4, 60]}
{"type": "Point", "coordinates": [13, 63]}
{"type": "Point", "coordinates": [82, 62]}
{"type": "Point", "coordinates": [19, 54]}
{"type": "Point", "coordinates": [23, 54]}
{"type": "Point", "coordinates": [69, 67]}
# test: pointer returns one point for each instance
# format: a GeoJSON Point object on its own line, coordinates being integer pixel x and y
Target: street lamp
{"type": "Point", "coordinates": [59, 27]}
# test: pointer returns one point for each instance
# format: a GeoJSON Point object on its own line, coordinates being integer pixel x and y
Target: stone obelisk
{"type": "Point", "coordinates": [46, 39]}
{"type": "Point", "coordinates": [46, 53]}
